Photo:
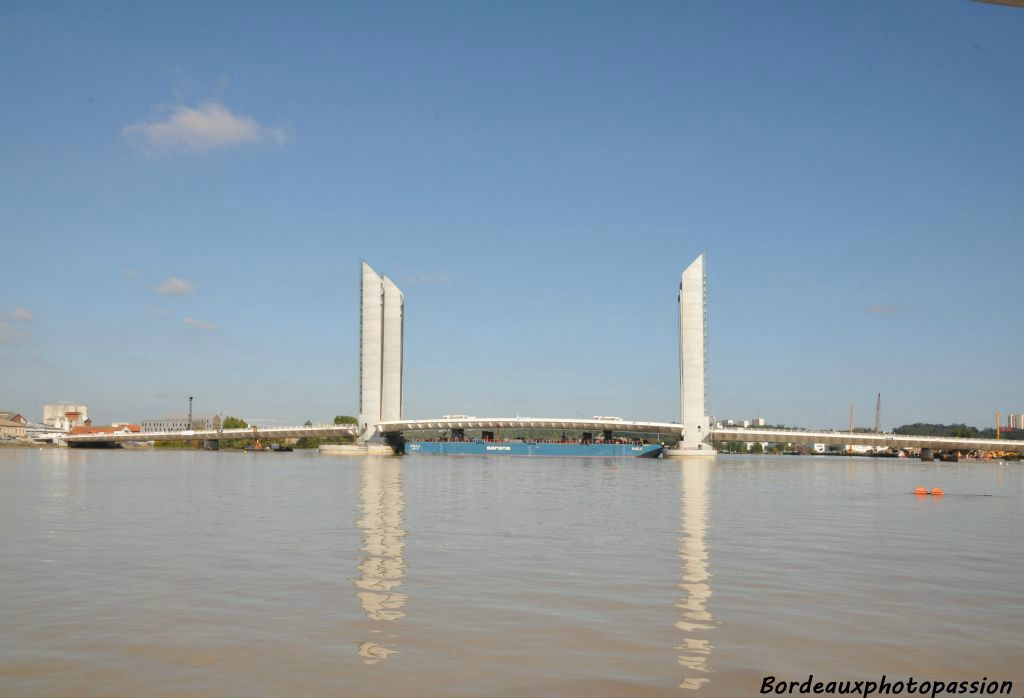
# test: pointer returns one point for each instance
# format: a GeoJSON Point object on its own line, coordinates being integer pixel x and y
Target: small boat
{"type": "Point", "coordinates": [273, 448]}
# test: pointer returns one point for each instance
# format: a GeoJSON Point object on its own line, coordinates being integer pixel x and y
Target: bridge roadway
{"type": "Point", "coordinates": [554, 424]}
{"type": "Point", "coordinates": [267, 433]}
{"type": "Point", "coordinates": [719, 435]}
{"type": "Point", "coordinates": [880, 441]}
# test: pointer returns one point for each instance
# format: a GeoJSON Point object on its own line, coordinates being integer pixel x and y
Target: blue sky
{"type": "Point", "coordinates": [186, 190]}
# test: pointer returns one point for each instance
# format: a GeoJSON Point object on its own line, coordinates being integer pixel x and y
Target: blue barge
{"type": "Point", "coordinates": [595, 449]}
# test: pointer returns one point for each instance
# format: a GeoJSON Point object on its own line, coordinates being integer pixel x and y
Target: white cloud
{"type": "Point", "coordinates": [21, 314]}
{"type": "Point", "coordinates": [200, 325]}
{"type": "Point", "coordinates": [174, 287]}
{"type": "Point", "coordinates": [9, 335]}
{"type": "Point", "coordinates": [206, 127]}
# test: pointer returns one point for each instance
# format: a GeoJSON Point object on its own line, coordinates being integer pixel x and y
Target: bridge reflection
{"type": "Point", "coordinates": [382, 567]}
{"type": "Point", "coordinates": [695, 621]}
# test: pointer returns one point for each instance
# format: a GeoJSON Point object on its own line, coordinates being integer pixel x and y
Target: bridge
{"type": "Point", "coordinates": [381, 337]}
{"type": "Point", "coordinates": [618, 426]}
{"type": "Point", "coordinates": [881, 442]}
{"type": "Point", "coordinates": [213, 436]}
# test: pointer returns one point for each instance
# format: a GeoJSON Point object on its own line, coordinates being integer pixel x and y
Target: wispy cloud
{"type": "Point", "coordinates": [9, 335]}
{"type": "Point", "coordinates": [200, 325]}
{"type": "Point", "coordinates": [173, 287]}
{"type": "Point", "coordinates": [21, 314]}
{"type": "Point", "coordinates": [883, 309]}
{"type": "Point", "coordinates": [209, 126]}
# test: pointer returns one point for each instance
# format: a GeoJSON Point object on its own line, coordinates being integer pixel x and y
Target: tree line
{"type": "Point", "coordinates": [958, 431]}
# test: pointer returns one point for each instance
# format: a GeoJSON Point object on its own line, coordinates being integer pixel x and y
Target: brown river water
{"type": "Point", "coordinates": [155, 573]}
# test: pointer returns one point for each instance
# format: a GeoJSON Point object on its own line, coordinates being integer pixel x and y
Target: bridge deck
{"type": "Point", "coordinates": [555, 424]}
{"type": "Point", "coordinates": [218, 434]}
{"type": "Point", "coordinates": [881, 441]}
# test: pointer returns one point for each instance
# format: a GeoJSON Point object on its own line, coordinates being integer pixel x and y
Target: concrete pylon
{"type": "Point", "coordinates": [381, 339]}
{"type": "Point", "coordinates": [391, 355]}
{"type": "Point", "coordinates": [693, 364]}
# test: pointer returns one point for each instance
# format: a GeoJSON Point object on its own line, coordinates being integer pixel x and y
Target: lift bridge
{"type": "Point", "coordinates": [382, 320]}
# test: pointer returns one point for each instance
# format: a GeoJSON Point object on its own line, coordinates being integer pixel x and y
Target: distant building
{"type": "Point", "coordinates": [64, 416]}
{"type": "Point", "coordinates": [13, 417]}
{"type": "Point", "coordinates": [180, 423]}
{"type": "Point", "coordinates": [9, 429]}
{"type": "Point", "coordinates": [757, 421]}
{"type": "Point", "coordinates": [1016, 421]}
{"type": "Point", "coordinates": [121, 428]}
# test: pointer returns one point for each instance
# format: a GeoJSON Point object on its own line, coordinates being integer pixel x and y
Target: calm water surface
{"type": "Point", "coordinates": [145, 573]}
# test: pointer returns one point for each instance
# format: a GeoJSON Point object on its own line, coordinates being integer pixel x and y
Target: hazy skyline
{"type": "Point", "coordinates": [186, 192]}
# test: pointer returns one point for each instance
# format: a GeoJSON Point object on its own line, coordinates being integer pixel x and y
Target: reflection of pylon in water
{"type": "Point", "coordinates": [382, 568]}
{"type": "Point", "coordinates": [695, 620]}
{"type": "Point", "coordinates": [372, 653]}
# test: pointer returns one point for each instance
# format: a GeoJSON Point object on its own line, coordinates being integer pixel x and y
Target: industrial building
{"type": "Point", "coordinates": [65, 416]}
{"type": "Point", "coordinates": [121, 428]}
{"type": "Point", "coordinates": [181, 423]}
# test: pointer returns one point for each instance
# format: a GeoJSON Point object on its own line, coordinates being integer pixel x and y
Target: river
{"type": "Point", "coordinates": [184, 573]}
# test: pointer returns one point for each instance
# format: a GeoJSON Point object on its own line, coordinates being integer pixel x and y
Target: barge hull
{"type": "Point", "coordinates": [519, 448]}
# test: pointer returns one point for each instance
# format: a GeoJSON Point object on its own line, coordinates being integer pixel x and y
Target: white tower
{"type": "Point", "coordinates": [381, 335]}
{"type": "Point", "coordinates": [391, 356]}
{"type": "Point", "coordinates": [693, 366]}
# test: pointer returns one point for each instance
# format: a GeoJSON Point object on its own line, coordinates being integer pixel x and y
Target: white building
{"type": "Point", "coordinates": [180, 423]}
{"type": "Point", "coordinates": [757, 421]}
{"type": "Point", "coordinates": [381, 339]}
{"type": "Point", "coordinates": [1016, 421]}
{"type": "Point", "coordinates": [65, 416]}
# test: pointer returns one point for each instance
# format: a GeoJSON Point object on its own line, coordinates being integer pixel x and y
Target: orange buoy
{"type": "Point", "coordinates": [937, 491]}
{"type": "Point", "coordinates": [920, 490]}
